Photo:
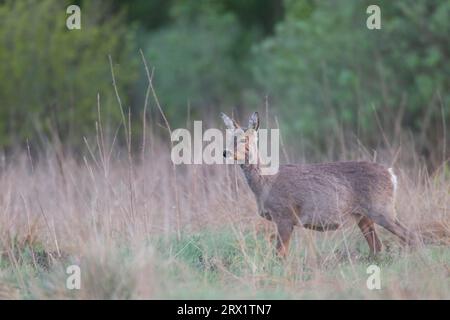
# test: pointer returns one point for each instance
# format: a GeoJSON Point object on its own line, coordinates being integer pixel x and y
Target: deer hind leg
{"type": "Point", "coordinates": [383, 218]}
{"type": "Point", "coordinates": [368, 230]}
{"type": "Point", "coordinates": [412, 237]}
{"type": "Point", "coordinates": [284, 230]}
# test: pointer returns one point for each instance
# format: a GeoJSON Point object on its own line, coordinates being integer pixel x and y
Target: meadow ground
{"type": "Point", "coordinates": [152, 230]}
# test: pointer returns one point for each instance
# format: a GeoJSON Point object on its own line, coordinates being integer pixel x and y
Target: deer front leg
{"type": "Point", "coordinates": [368, 230]}
{"type": "Point", "coordinates": [284, 232]}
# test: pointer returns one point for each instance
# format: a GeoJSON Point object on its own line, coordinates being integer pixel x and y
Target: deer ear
{"type": "Point", "coordinates": [253, 122]}
{"type": "Point", "coordinates": [229, 123]}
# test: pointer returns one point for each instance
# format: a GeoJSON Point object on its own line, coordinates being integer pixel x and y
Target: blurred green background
{"type": "Point", "coordinates": [324, 74]}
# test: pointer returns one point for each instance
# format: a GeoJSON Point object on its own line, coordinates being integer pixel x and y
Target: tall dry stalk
{"type": "Point", "coordinates": [174, 169]}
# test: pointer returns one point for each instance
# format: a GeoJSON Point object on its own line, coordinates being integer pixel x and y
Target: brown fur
{"type": "Point", "coordinates": [323, 196]}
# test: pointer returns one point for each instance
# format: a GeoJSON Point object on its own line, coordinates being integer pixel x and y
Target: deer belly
{"type": "Point", "coordinates": [321, 221]}
{"type": "Point", "coordinates": [324, 227]}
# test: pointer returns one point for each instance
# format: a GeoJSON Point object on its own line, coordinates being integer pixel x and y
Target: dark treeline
{"type": "Point", "coordinates": [325, 75]}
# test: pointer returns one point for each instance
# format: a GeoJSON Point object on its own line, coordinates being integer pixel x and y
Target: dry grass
{"type": "Point", "coordinates": [120, 226]}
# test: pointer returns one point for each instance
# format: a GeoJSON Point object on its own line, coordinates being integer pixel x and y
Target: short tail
{"type": "Point", "coordinates": [393, 179]}
{"type": "Point", "coordinates": [394, 187]}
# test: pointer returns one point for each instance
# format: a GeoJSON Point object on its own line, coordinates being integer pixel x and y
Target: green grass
{"type": "Point", "coordinates": [225, 264]}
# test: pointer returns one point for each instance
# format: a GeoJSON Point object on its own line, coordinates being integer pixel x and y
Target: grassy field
{"type": "Point", "coordinates": [86, 177]}
{"type": "Point", "coordinates": [151, 230]}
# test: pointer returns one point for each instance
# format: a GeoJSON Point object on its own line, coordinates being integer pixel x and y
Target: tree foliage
{"type": "Point", "coordinates": [51, 76]}
{"type": "Point", "coordinates": [325, 69]}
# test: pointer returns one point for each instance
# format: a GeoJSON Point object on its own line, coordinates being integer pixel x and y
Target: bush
{"type": "Point", "coordinates": [51, 76]}
{"type": "Point", "coordinates": [195, 61]}
{"type": "Point", "coordinates": [325, 70]}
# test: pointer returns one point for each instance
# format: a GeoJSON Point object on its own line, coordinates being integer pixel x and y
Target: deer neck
{"type": "Point", "coordinates": [255, 180]}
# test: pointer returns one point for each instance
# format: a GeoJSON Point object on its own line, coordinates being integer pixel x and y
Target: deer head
{"type": "Point", "coordinates": [242, 143]}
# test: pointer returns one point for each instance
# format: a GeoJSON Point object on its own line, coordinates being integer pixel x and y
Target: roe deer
{"type": "Point", "coordinates": [318, 196]}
